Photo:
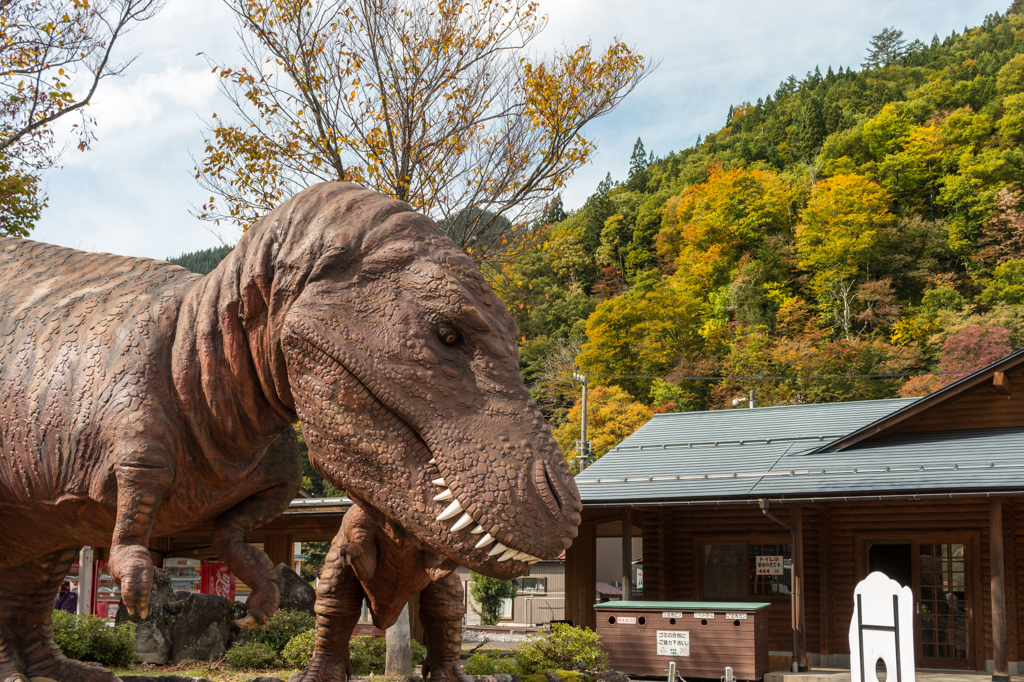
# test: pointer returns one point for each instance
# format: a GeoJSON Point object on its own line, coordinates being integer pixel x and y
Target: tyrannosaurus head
{"type": "Point", "coordinates": [402, 365]}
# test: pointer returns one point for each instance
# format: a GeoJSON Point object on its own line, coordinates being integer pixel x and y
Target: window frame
{"type": "Point", "coordinates": [746, 539]}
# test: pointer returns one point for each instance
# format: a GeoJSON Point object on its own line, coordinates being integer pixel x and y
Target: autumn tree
{"type": "Point", "coordinates": [53, 55]}
{"type": "Point", "coordinates": [612, 415]}
{"type": "Point", "coordinates": [433, 102]}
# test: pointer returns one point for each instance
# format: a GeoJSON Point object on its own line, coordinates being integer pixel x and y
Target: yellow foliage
{"type": "Point", "coordinates": [612, 415]}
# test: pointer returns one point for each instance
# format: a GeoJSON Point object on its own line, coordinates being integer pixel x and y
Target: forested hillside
{"type": "Point", "coordinates": [202, 262]}
{"type": "Point", "coordinates": [856, 234]}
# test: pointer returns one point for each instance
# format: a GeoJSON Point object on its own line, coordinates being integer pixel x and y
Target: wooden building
{"type": "Point", "coordinates": [929, 491]}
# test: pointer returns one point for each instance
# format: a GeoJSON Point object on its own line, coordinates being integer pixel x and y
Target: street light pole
{"type": "Point", "coordinates": [584, 449]}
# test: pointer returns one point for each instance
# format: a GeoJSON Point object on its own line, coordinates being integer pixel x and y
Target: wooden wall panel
{"type": "Point", "coordinates": [986, 408]}
{"type": "Point", "coordinates": [834, 538]}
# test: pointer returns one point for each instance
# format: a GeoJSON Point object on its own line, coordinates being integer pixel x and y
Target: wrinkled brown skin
{"type": "Point", "coordinates": [384, 565]}
{"type": "Point", "coordinates": [138, 399]}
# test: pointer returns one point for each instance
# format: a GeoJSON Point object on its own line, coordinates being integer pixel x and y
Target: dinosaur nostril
{"type": "Point", "coordinates": [546, 488]}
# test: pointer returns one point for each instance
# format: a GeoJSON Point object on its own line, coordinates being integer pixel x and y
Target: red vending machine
{"type": "Point", "coordinates": [107, 593]}
{"type": "Point", "coordinates": [218, 580]}
{"type": "Point", "coordinates": [206, 577]}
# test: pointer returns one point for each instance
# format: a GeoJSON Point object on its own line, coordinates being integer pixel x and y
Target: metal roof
{"type": "Point", "coordinates": [745, 454]}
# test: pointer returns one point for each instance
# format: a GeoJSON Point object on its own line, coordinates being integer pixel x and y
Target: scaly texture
{"type": "Point", "coordinates": [137, 399]}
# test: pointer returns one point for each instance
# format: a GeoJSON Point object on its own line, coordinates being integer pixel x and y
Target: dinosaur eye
{"type": "Point", "coordinates": [448, 335]}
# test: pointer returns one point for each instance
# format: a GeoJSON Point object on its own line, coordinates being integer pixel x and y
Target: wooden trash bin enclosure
{"type": "Point", "coordinates": [643, 637]}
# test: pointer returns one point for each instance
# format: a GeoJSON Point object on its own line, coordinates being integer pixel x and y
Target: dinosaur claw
{"type": "Point", "coordinates": [247, 623]}
{"type": "Point", "coordinates": [131, 610]}
{"type": "Point", "coordinates": [143, 610]}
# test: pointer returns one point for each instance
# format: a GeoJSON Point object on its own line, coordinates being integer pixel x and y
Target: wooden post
{"type": "Point", "coordinates": [797, 576]}
{"type": "Point", "coordinates": [398, 657]}
{"type": "Point", "coordinates": [1000, 665]}
{"type": "Point", "coordinates": [627, 554]}
{"type": "Point", "coordinates": [581, 578]}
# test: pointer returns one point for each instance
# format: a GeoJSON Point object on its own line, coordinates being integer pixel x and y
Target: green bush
{"type": "Point", "coordinates": [299, 650]}
{"type": "Point", "coordinates": [89, 638]}
{"type": "Point", "coordinates": [490, 664]}
{"type": "Point", "coordinates": [281, 627]}
{"type": "Point", "coordinates": [252, 656]}
{"type": "Point", "coordinates": [566, 648]}
{"type": "Point", "coordinates": [369, 655]}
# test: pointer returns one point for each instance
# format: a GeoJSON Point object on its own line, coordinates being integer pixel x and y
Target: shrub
{"type": "Point", "coordinates": [565, 648]}
{"type": "Point", "coordinates": [88, 638]}
{"type": "Point", "coordinates": [488, 593]}
{"type": "Point", "coordinates": [489, 664]}
{"type": "Point", "coordinates": [281, 627]}
{"type": "Point", "coordinates": [369, 655]}
{"type": "Point", "coordinates": [252, 656]}
{"type": "Point", "coordinates": [299, 650]}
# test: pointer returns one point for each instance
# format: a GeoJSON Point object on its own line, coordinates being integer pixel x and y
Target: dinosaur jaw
{"type": "Point", "coordinates": [401, 470]}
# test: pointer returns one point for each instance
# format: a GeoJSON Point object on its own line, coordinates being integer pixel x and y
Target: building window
{"type": "Point", "coordinates": [531, 585]}
{"type": "Point", "coordinates": [506, 609]}
{"type": "Point", "coordinates": [730, 571]}
{"type": "Point", "coordinates": [725, 572]}
{"type": "Point", "coordinates": [771, 585]}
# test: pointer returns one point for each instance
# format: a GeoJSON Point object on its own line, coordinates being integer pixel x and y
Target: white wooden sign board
{"type": "Point", "coordinates": [769, 565]}
{"type": "Point", "coordinates": [673, 643]}
{"type": "Point", "coordinates": [882, 627]}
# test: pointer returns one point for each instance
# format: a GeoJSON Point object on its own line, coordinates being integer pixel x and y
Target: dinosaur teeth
{"type": "Point", "coordinates": [509, 553]}
{"type": "Point", "coordinates": [519, 556]}
{"type": "Point", "coordinates": [477, 530]}
{"type": "Point", "coordinates": [452, 510]}
{"type": "Point", "coordinates": [446, 495]}
{"type": "Point", "coordinates": [463, 522]}
{"type": "Point", "coordinates": [498, 549]}
{"type": "Point", "coordinates": [433, 461]}
{"type": "Point", "coordinates": [440, 482]}
{"type": "Point", "coordinates": [484, 541]}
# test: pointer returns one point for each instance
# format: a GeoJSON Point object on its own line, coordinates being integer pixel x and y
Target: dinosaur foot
{"type": "Point", "coordinates": [65, 670]}
{"type": "Point", "coordinates": [325, 669]}
{"type": "Point", "coordinates": [444, 672]}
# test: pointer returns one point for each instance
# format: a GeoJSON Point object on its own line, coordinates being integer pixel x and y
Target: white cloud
{"type": "Point", "coordinates": [130, 194]}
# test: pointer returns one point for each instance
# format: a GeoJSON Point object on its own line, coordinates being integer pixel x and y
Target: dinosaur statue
{"type": "Point", "coordinates": [137, 399]}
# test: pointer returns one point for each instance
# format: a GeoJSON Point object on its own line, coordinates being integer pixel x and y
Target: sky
{"type": "Point", "coordinates": [131, 193]}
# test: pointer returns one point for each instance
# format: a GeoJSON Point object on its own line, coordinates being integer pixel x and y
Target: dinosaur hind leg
{"type": "Point", "coordinates": [442, 607]}
{"type": "Point", "coordinates": [26, 631]}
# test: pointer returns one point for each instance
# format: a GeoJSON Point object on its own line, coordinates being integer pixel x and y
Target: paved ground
{"type": "Point", "coordinates": [843, 675]}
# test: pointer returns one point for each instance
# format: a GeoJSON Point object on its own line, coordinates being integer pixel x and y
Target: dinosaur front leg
{"type": "Point", "coordinates": [141, 487]}
{"type": "Point", "coordinates": [26, 632]}
{"type": "Point", "coordinates": [442, 607]}
{"type": "Point", "coordinates": [339, 600]}
{"type": "Point", "coordinates": [244, 560]}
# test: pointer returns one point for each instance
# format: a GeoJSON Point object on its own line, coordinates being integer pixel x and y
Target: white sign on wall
{"type": "Point", "coordinates": [625, 620]}
{"type": "Point", "coordinates": [673, 643]}
{"type": "Point", "coordinates": [882, 625]}
{"type": "Point", "coordinates": [769, 565]}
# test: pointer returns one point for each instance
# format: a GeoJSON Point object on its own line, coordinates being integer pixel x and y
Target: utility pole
{"type": "Point", "coordinates": [582, 445]}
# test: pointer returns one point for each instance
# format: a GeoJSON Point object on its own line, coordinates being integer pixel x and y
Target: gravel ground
{"type": "Point", "coordinates": [478, 636]}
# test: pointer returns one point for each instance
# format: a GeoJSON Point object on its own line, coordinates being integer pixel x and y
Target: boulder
{"type": "Point", "coordinates": [613, 676]}
{"type": "Point", "coordinates": [153, 635]}
{"type": "Point", "coordinates": [204, 629]}
{"type": "Point", "coordinates": [264, 679]}
{"type": "Point", "coordinates": [296, 593]}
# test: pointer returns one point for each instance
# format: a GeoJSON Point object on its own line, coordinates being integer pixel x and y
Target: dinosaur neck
{"type": "Point", "coordinates": [223, 364]}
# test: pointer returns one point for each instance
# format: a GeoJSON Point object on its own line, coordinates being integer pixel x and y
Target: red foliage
{"type": "Point", "coordinates": [971, 349]}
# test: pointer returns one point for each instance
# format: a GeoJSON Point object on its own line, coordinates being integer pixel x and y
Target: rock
{"type": "Point", "coordinates": [266, 679]}
{"type": "Point", "coordinates": [204, 629]}
{"type": "Point", "coordinates": [296, 593]}
{"type": "Point", "coordinates": [613, 676]}
{"type": "Point", "coordinates": [153, 635]}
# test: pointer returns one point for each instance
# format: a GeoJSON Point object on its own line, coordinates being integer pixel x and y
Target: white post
{"type": "Point", "coordinates": [85, 560]}
{"type": "Point", "coordinates": [399, 647]}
